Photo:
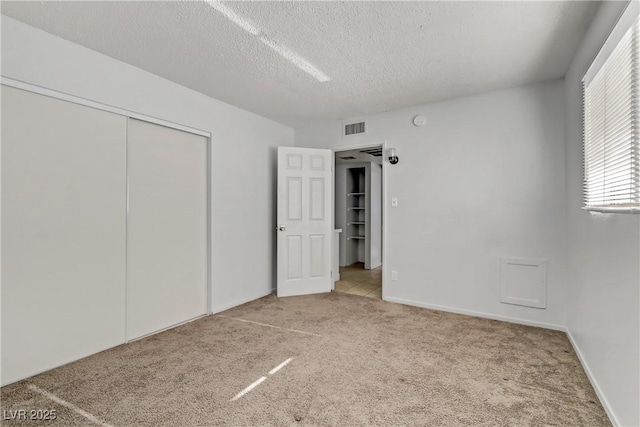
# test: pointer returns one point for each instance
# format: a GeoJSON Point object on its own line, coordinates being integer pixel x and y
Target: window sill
{"type": "Point", "coordinates": [612, 210]}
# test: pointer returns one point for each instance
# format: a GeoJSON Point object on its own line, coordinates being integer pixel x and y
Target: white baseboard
{"type": "Point", "coordinates": [592, 380]}
{"type": "Point", "coordinates": [193, 319]}
{"type": "Point", "coordinates": [477, 314]}
{"type": "Point", "coordinates": [258, 295]}
{"type": "Point", "coordinates": [60, 365]}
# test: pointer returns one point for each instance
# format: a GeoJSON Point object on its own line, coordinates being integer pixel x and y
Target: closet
{"type": "Point", "coordinates": [357, 216]}
{"type": "Point", "coordinates": [104, 230]}
{"type": "Point", "coordinates": [359, 213]}
{"type": "Point", "coordinates": [166, 227]}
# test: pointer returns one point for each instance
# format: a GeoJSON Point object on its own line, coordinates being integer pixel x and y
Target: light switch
{"type": "Point", "coordinates": [394, 202]}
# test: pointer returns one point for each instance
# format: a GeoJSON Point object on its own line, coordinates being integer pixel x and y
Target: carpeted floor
{"type": "Point", "coordinates": [355, 361]}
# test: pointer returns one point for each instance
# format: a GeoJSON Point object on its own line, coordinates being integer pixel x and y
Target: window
{"type": "Point", "coordinates": [611, 125]}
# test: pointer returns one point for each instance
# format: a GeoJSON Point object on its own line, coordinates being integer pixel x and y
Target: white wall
{"type": "Point", "coordinates": [483, 179]}
{"type": "Point", "coordinates": [375, 215]}
{"type": "Point", "coordinates": [604, 256]}
{"type": "Point", "coordinates": [243, 155]}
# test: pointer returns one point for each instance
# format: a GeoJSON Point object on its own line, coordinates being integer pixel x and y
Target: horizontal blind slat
{"type": "Point", "coordinates": [611, 102]}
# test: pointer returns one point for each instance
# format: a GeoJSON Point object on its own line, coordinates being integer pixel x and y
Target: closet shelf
{"type": "Point", "coordinates": [356, 223]}
{"type": "Point", "coordinates": [356, 194]}
{"type": "Point", "coordinates": [356, 237]}
{"type": "Point", "coordinates": [355, 208]}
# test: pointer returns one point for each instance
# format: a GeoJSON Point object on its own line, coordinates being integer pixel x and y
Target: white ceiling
{"type": "Point", "coordinates": [379, 56]}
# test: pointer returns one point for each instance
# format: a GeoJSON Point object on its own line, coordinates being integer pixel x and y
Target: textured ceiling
{"type": "Point", "coordinates": [379, 56]}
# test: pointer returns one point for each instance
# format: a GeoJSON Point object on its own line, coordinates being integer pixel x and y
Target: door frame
{"type": "Point", "coordinates": [385, 164]}
{"type": "Point", "coordinates": [6, 81]}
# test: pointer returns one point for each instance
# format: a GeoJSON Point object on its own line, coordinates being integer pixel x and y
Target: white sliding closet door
{"type": "Point", "coordinates": [166, 228]}
{"type": "Point", "coordinates": [63, 232]}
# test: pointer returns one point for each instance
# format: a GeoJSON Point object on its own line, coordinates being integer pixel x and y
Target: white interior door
{"type": "Point", "coordinates": [63, 232]}
{"type": "Point", "coordinates": [304, 221]}
{"type": "Point", "coordinates": [166, 228]}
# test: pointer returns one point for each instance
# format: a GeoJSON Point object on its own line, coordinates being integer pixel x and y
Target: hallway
{"type": "Point", "coordinates": [355, 280]}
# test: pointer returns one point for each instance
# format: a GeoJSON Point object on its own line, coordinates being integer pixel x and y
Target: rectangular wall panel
{"type": "Point", "coordinates": [523, 281]}
{"type": "Point", "coordinates": [63, 232]}
{"type": "Point", "coordinates": [166, 229]}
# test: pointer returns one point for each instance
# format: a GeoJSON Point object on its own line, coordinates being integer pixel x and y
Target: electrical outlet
{"type": "Point", "coordinates": [394, 202]}
{"type": "Point", "coordinates": [394, 275]}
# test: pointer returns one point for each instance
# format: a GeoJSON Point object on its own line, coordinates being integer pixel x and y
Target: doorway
{"type": "Point", "coordinates": [358, 219]}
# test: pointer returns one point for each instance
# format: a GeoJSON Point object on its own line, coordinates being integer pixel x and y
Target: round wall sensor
{"type": "Point", "coordinates": [419, 120]}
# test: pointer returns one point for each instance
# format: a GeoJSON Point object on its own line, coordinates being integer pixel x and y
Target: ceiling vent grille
{"type": "Point", "coordinates": [353, 129]}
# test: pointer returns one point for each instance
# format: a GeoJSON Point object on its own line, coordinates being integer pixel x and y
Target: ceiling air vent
{"type": "Point", "coordinates": [353, 129]}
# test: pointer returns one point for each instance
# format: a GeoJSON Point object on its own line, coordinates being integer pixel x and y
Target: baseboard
{"type": "Point", "coordinates": [215, 310]}
{"type": "Point", "coordinates": [60, 365]}
{"type": "Point", "coordinates": [193, 319]}
{"type": "Point", "coordinates": [225, 307]}
{"type": "Point", "coordinates": [477, 314]}
{"type": "Point", "coordinates": [592, 380]}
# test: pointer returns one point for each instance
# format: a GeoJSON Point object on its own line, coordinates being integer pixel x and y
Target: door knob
{"type": "Point", "coordinates": [281, 228]}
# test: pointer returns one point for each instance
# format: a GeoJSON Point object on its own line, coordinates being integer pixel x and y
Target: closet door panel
{"type": "Point", "coordinates": [63, 232]}
{"type": "Point", "coordinates": [166, 229]}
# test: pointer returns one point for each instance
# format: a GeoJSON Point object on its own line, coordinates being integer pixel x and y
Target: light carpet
{"type": "Point", "coordinates": [361, 362]}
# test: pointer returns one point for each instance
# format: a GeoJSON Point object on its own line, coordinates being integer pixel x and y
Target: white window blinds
{"type": "Point", "coordinates": [611, 126]}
